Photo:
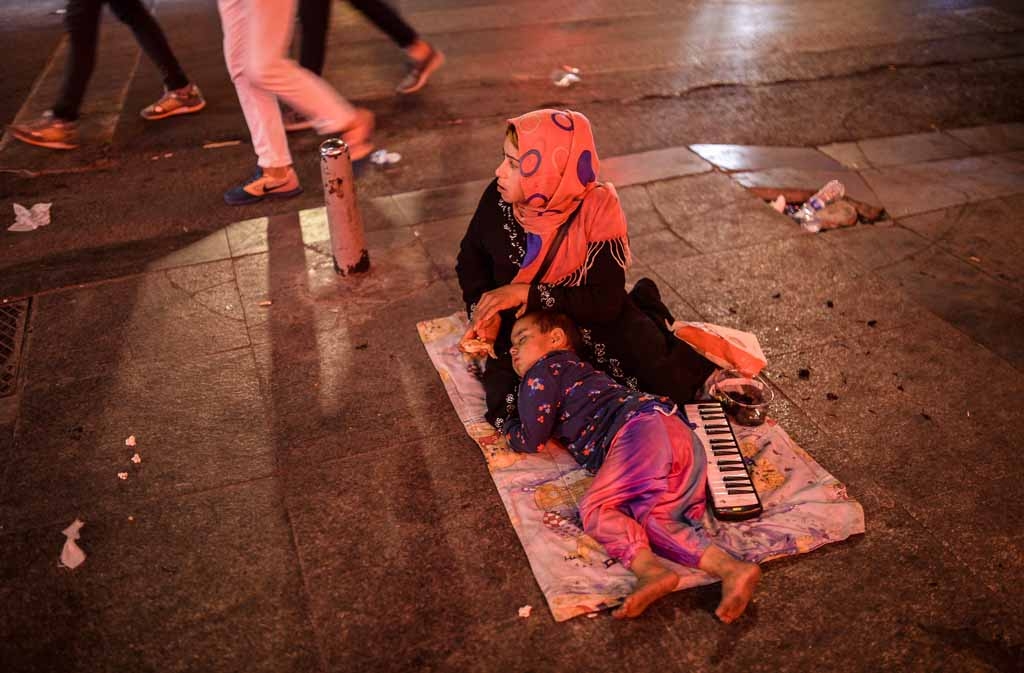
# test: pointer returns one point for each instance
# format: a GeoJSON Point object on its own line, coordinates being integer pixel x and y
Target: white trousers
{"type": "Point", "coordinates": [257, 34]}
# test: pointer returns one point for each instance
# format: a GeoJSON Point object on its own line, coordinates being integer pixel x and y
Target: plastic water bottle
{"type": "Point", "coordinates": [807, 215]}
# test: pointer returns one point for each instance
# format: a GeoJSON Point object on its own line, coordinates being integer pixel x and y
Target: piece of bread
{"type": "Point", "coordinates": [475, 346]}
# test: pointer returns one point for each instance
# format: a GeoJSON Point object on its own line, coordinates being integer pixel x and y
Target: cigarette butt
{"type": "Point", "coordinates": [223, 143]}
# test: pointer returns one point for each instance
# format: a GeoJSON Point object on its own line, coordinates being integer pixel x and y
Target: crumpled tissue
{"type": "Point", "coordinates": [30, 219]}
{"type": "Point", "coordinates": [72, 555]}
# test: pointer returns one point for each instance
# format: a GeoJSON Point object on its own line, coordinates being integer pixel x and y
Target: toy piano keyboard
{"type": "Point", "coordinates": [732, 492]}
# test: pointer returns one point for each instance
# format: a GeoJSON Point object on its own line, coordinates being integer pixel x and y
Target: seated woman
{"type": "Point", "coordinates": [547, 236]}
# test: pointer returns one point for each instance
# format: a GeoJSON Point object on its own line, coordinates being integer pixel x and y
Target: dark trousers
{"type": "Point", "coordinates": [83, 26]}
{"type": "Point", "coordinates": [315, 15]}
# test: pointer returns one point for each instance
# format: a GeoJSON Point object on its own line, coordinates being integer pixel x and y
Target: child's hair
{"type": "Point", "coordinates": [513, 135]}
{"type": "Point", "coordinates": [549, 320]}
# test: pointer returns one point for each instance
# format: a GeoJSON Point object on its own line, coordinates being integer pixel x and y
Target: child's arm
{"type": "Point", "coordinates": [539, 401]}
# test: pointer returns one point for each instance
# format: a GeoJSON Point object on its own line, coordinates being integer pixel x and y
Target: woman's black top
{"type": "Point", "coordinates": [619, 337]}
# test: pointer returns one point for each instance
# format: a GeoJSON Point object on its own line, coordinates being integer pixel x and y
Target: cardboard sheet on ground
{"type": "Point", "coordinates": [805, 507]}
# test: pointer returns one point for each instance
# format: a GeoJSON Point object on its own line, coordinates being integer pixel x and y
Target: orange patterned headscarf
{"type": "Point", "coordinates": [558, 165]}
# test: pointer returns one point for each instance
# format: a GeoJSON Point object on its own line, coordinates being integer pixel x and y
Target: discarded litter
{"type": "Point", "coordinates": [60, 11]}
{"type": "Point", "coordinates": [779, 204]}
{"type": "Point", "coordinates": [807, 215]}
{"type": "Point", "coordinates": [130, 441]}
{"type": "Point", "coordinates": [223, 143]}
{"type": "Point", "coordinates": [837, 214]}
{"type": "Point", "coordinates": [565, 76]}
{"type": "Point", "coordinates": [30, 219]}
{"type": "Point", "coordinates": [123, 476]}
{"type": "Point", "coordinates": [385, 158]}
{"type": "Point", "coordinates": [525, 611]}
{"type": "Point", "coordinates": [136, 459]}
{"type": "Point", "coordinates": [72, 556]}
{"type": "Point", "coordinates": [265, 303]}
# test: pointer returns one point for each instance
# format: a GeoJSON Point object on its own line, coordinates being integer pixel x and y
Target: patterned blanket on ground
{"type": "Point", "coordinates": [805, 507]}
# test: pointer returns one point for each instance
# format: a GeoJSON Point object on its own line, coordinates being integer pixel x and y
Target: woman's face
{"type": "Point", "coordinates": [510, 185]}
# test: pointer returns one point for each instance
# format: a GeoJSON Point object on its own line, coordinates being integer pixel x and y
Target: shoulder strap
{"type": "Point", "coordinates": [556, 243]}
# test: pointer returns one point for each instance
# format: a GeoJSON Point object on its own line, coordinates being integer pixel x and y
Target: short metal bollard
{"type": "Point", "coordinates": [348, 244]}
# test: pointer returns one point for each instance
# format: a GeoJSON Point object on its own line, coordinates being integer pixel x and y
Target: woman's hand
{"type": "Point", "coordinates": [487, 333]}
{"type": "Point", "coordinates": [513, 295]}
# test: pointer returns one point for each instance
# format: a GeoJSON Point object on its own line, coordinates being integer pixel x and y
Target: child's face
{"type": "Point", "coordinates": [529, 344]}
{"type": "Point", "coordinates": [510, 185]}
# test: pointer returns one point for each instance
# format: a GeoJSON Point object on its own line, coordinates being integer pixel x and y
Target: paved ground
{"type": "Point", "coordinates": [307, 500]}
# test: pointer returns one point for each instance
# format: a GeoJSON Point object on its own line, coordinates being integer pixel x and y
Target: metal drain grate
{"type": "Point", "coordinates": [12, 327]}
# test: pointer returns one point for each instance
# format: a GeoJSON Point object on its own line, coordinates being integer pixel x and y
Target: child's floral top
{"type": "Point", "coordinates": [564, 398]}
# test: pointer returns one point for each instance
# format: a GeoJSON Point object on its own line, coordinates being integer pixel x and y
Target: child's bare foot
{"type": "Point", "coordinates": [739, 579]}
{"type": "Point", "coordinates": [653, 582]}
{"type": "Point", "coordinates": [737, 590]}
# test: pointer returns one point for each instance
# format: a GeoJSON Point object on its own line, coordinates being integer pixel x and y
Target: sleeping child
{"type": "Point", "coordinates": [647, 501]}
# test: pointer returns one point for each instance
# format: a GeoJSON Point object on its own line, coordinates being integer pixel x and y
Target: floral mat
{"type": "Point", "coordinates": [805, 507]}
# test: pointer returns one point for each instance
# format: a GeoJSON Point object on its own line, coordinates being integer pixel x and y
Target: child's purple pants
{"type": "Point", "coordinates": [649, 492]}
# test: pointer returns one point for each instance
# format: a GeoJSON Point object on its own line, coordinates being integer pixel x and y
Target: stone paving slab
{"type": "Point", "coordinates": [983, 234]}
{"type": "Point", "coordinates": [957, 290]}
{"type": "Point", "coordinates": [203, 582]}
{"type": "Point", "coordinates": [440, 239]}
{"type": "Point", "coordinates": [300, 282]}
{"type": "Point", "coordinates": [759, 289]}
{"type": "Point", "coordinates": [711, 213]}
{"type": "Point", "coordinates": [641, 214]}
{"type": "Point", "coordinates": [356, 382]}
{"type": "Point", "coordinates": [901, 377]}
{"type": "Point", "coordinates": [979, 533]}
{"type": "Point", "coordinates": [912, 149]}
{"type": "Point", "coordinates": [212, 247]}
{"type": "Point", "coordinates": [651, 166]}
{"type": "Point", "coordinates": [848, 154]}
{"type": "Point", "coordinates": [752, 157]}
{"type": "Point", "coordinates": [917, 188]}
{"type": "Point", "coordinates": [70, 439]}
{"type": "Point", "coordinates": [443, 202]}
{"type": "Point", "coordinates": [181, 312]}
{"type": "Point", "coordinates": [660, 246]}
{"type": "Point", "coordinates": [992, 139]}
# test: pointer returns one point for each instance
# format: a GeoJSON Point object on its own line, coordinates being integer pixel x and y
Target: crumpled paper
{"type": "Point", "coordinates": [30, 219]}
{"type": "Point", "coordinates": [565, 76]}
{"type": "Point", "coordinates": [72, 555]}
